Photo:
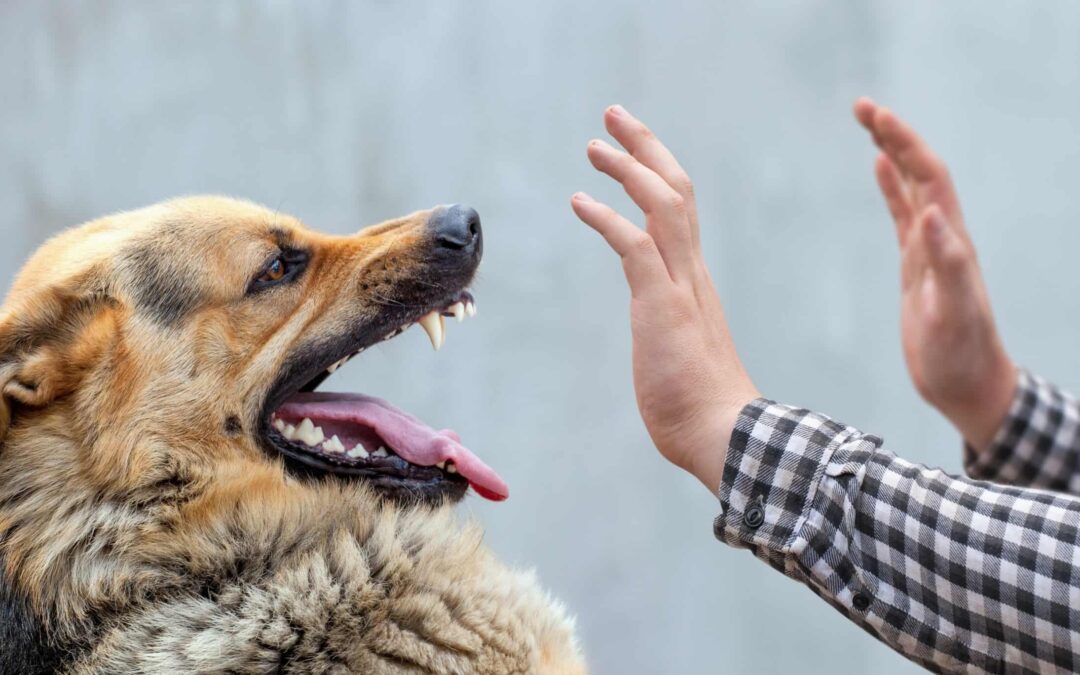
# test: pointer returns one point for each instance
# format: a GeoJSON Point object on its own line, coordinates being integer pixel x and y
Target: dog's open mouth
{"type": "Point", "coordinates": [365, 437]}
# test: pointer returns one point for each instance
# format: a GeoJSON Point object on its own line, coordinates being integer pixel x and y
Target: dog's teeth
{"type": "Point", "coordinates": [309, 433]}
{"type": "Point", "coordinates": [358, 451]}
{"type": "Point", "coordinates": [458, 310]}
{"type": "Point", "coordinates": [381, 452]}
{"type": "Point", "coordinates": [470, 308]}
{"type": "Point", "coordinates": [279, 424]}
{"type": "Point", "coordinates": [334, 445]}
{"type": "Point", "coordinates": [289, 431]}
{"type": "Point", "coordinates": [450, 468]}
{"type": "Point", "coordinates": [441, 465]}
{"type": "Point", "coordinates": [390, 335]}
{"type": "Point", "coordinates": [433, 325]}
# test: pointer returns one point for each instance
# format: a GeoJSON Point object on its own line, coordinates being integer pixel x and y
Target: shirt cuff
{"type": "Point", "coordinates": [1031, 444]}
{"type": "Point", "coordinates": [774, 465]}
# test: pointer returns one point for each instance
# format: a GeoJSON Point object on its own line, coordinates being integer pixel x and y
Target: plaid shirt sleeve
{"type": "Point", "coordinates": [955, 574]}
{"type": "Point", "coordinates": [1038, 444]}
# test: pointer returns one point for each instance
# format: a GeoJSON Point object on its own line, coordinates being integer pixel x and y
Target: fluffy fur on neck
{"type": "Point", "coordinates": [255, 572]}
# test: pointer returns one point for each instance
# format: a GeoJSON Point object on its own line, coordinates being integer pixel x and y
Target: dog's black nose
{"type": "Point", "coordinates": [457, 228]}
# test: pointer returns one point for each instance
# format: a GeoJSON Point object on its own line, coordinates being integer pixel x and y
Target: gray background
{"type": "Point", "coordinates": [349, 113]}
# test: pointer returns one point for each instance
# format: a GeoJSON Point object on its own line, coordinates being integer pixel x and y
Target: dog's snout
{"type": "Point", "coordinates": [457, 228]}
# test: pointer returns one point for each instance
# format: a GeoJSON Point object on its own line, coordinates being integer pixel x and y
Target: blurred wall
{"type": "Point", "coordinates": [352, 112]}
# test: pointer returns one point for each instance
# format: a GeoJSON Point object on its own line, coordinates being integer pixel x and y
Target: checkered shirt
{"type": "Point", "coordinates": [958, 575]}
{"type": "Point", "coordinates": [1039, 443]}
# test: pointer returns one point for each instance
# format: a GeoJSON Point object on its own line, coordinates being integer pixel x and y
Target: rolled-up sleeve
{"type": "Point", "coordinates": [956, 574]}
{"type": "Point", "coordinates": [1038, 443]}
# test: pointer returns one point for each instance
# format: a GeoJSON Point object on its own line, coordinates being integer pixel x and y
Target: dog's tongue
{"type": "Point", "coordinates": [411, 439]}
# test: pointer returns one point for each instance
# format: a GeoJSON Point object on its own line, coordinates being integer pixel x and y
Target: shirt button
{"type": "Point", "coordinates": [860, 602]}
{"type": "Point", "coordinates": [754, 515]}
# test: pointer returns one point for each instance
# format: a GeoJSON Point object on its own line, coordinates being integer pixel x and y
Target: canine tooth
{"type": "Point", "coordinates": [334, 445]}
{"type": "Point", "coordinates": [389, 335]}
{"type": "Point", "coordinates": [381, 452]}
{"type": "Point", "coordinates": [433, 325]}
{"type": "Point", "coordinates": [289, 432]}
{"type": "Point", "coordinates": [279, 424]}
{"type": "Point", "coordinates": [450, 468]}
{"type": "Point", "coordinates": [338, 364]}
{"type": "Point", "coordinates": [441, 465]}
{"type": "Point", "coordinates": [470, 308]}
{"type": "Point", "coordinates": [358, 451]}
{"type": "Point", "coordinates": [458, 310]}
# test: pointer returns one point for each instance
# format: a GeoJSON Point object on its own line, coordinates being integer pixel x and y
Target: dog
{"type": "Point", "coordinates": [175, 496]}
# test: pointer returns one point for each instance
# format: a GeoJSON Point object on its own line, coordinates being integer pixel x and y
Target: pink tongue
{"type": "Point", "coordinates": [410, 438]}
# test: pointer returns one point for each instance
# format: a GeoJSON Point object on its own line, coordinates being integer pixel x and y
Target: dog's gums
{"type": "Point", "coordinates": [358, 435]}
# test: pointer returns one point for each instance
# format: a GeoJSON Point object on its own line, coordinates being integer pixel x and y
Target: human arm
{"type": "Point", "coordinates": [819, 500]}
{"type": "Point", "coordinates": [1018, 428]}
{"type": "Point", "coordinates": [955, 574]}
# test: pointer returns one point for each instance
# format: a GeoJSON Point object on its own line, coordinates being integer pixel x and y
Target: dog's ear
{"type": "Point", "coordinates": [47, 339]}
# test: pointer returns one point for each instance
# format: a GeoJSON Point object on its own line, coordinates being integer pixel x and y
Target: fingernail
{"type": "Point", "coordinates": [582, 197]}
{"type": "Point", "coordinates": [619, 110]}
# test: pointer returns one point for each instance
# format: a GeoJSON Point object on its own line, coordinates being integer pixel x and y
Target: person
{"type": "Point", "coordinates": [959, 574]}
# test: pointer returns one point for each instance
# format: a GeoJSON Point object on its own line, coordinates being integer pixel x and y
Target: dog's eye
{"type": "Point", "coordinates": [274, 272]}
{"type": "Point", "coordinates": [282, 269]}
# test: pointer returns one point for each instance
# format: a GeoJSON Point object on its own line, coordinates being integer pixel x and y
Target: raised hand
{"type": "Point", "coordinates": [689, 382]}
{"type": "Point", "coordinates": [952, 348]}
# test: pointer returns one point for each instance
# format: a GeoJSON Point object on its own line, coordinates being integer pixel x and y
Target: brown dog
{"type": "Point", "coordinates": [172, 501]}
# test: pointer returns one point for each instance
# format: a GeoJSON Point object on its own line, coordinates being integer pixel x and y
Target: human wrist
{"type": "Point", "coordinates": [979, 419]}
{"type": "Point", "coordinates": [706, 461]}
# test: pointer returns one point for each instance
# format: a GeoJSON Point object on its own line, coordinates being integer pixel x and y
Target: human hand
{"type": "Point", "coordinates": [689, 382]}
{"type": "Point", "coordinates": [953, 351]}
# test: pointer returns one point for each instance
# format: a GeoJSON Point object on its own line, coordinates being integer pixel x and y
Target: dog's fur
{"type": "Point", "coordinates": [144, 528]}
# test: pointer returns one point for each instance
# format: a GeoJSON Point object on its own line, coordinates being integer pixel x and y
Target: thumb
{"type": "Point", "coordinates": [945, 250]}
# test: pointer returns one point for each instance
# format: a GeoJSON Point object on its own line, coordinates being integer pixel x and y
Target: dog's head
{"type": "Point", "coordinates": [188, 337]}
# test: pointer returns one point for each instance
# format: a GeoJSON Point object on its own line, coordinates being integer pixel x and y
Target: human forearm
{"type": "Point", "coordinates": [944, 570]}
